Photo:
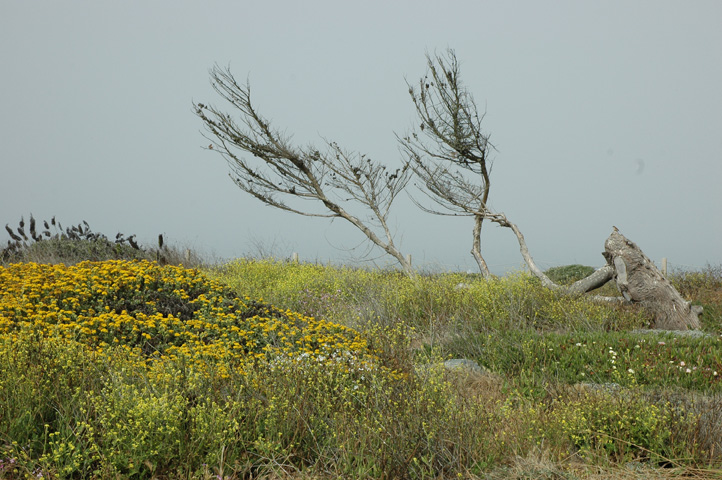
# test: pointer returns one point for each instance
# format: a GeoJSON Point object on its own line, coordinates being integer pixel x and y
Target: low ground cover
{"type": "Point", "coordinates": [262, 368]}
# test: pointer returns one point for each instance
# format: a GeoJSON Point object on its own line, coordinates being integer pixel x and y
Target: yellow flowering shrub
{"type": "Point", "coordinates": [163, 312]}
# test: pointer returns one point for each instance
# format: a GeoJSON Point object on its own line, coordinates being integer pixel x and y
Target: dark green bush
{"type": "Point", "coordinates": [568, 274]}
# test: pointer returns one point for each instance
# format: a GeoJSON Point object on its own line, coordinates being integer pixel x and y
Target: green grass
{"type": "Point", "coordinates": [570, 389]}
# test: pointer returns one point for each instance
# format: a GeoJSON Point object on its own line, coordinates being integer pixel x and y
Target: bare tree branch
{"type": "Point", "coordinates": [307, 181]}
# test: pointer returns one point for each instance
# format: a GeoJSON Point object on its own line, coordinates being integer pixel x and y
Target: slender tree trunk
{"type": "Point", "coordinates": [476, 247]}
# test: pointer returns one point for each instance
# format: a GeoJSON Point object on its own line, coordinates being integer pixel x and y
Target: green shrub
{"type": "Point", "coordinates": [568, 274]}
{"type": "Point", "coordinates": [703, 288]}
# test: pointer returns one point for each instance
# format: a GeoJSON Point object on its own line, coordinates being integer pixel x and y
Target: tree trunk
{"type": "Point", "coordinates": [641, 282]}
{"type": "Point", "coordinates": [476, 248]}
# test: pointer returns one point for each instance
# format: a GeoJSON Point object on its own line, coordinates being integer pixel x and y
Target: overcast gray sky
{"type": "Point", "coordinates": [603, 113]}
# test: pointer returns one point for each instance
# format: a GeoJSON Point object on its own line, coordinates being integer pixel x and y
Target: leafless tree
{"type": "Point", "coordinates": [448, 151]}
{"type": "Point", "coordinates": [329, 182]}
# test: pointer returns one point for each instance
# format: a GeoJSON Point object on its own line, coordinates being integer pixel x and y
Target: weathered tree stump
{"type": "Point", "coordinates": [639, 281]}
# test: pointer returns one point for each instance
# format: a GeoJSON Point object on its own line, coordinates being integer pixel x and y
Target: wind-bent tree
{"type": "Point", "coordinates": [450, 157]}
{"type": "Point", "coordinates": [450, 153]}
{"type": "Point", "coordinates": [307, 181]}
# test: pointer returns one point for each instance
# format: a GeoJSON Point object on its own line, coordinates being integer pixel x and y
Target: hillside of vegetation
{"type": "Point", "coordinates": [134, 368]}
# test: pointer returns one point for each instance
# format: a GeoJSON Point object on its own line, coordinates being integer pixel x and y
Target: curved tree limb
{"type": "Point", "coordinates": [636, 277]}
{"type": "Point", "coordinates": [592, 282]}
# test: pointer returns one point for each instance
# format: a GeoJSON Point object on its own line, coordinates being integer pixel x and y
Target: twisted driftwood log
{"type": "Point", "coordinates": [639, 281]}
